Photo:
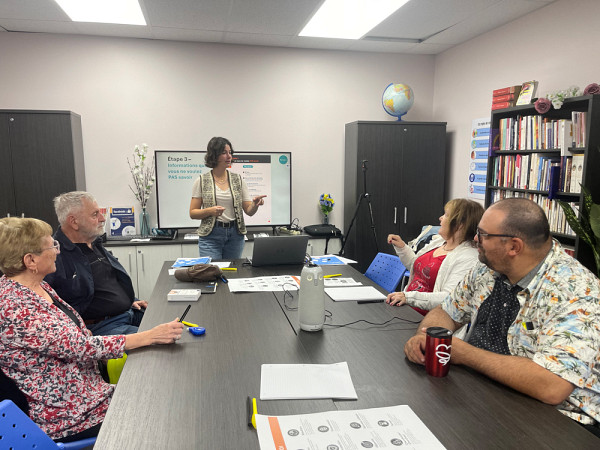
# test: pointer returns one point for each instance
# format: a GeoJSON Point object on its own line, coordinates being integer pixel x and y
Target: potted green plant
{"type": "Point", "coordinates": [587, 226]}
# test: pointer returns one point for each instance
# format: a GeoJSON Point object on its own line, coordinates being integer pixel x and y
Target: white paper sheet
{"type": "Point", "coordinates": [339, 282]}
{"type": "Point", "coordinates": [264, 284]}
{"type": "Point", "coordinates": [391, 427]}
{"type": "Point", "coordinates": [349, 294]}
{"type": "Point", "coordinates": [302, 381]}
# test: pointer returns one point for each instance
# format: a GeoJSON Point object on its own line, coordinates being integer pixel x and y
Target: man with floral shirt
{"type": "Point", "coordinates": [533, 311]}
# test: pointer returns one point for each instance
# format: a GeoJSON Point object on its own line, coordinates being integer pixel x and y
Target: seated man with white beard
{"type": "Point", "coordinates": [87, 276]}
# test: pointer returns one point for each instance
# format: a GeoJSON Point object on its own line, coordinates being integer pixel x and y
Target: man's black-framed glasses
{"type": "Point", "coordinates": [481, 234]}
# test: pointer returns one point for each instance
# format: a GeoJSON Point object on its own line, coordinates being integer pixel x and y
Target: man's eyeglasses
{"type": "Point", "coordinates": [481, 234]}
{"type": "Point", "coordinates": [56, 247]}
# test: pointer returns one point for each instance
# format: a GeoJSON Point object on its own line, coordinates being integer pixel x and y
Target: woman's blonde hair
{"type": "Point", "coordinates": [19, 236]}
{"type": "Point", "coordinates": [465, 212]}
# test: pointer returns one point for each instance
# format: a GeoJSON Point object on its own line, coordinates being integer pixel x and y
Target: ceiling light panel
{"type": "Point", "coordinates": [127, 12]}
{"type": "Point", "coordinates": [349, 19]}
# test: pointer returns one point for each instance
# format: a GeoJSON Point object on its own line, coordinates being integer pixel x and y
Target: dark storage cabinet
{"type": "Point", "coordinates": [41, 156]}
{"type": "Point", "coordinates": [405, 179]}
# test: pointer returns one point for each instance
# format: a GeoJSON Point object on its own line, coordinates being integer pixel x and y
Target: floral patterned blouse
{"type": "Point", "coordinates": [53, 361]}
{"type": "Point", "coordinates": [558, 325]}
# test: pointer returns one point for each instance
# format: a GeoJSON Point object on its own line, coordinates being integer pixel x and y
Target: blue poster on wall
{"type": "Point", "coordinates": [478, 158]}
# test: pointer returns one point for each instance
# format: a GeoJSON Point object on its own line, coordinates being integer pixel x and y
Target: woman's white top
{"type": "Point", "coordinates": [452, 270]}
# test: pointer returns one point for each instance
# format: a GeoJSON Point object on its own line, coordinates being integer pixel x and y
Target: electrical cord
{"type": "Point", "coordinates": [329, 314]}
{"type": "Point", "coordinates": [382, 324]}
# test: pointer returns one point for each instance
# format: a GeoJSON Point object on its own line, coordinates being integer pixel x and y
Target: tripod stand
{"type": "Point", "coordinates": [363, 196]}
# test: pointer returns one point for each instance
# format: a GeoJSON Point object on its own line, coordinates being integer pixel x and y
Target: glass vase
{"type": "Point", "coordinates": [144, 223]}
{"type": "Point", "coordinates": [325, 219]}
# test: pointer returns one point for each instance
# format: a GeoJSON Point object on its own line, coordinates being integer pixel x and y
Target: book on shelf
{"type": "Point", "coordinates": [565, 136]}
{"type": "Point", "coordinates": [527, 92]}
{"type": "Point", "coordinates": [576, 174]}
{"type": "Point", "coordinates": [554, 180]}
{"type": "Point", "coordinates": [506, 91]}
{"type": "Point", "coordinates": [502, 105]}
{"type": "Point", "coordinates": [578, 119]}
{"type": "Point", "coordinates": [504, 98]}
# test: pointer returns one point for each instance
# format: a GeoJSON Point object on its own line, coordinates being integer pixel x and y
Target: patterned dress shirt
{"type": "Point", "coordinates": [557, 326]}
{"type": "Point", "coordinates": [53, 361]}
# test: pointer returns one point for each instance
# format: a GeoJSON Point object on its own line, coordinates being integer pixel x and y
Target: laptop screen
{"type": "Point", "coordinates": [278, 250]}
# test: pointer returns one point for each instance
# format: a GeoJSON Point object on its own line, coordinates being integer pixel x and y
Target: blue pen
{"type": "Point", "coordinates": [224, 279]}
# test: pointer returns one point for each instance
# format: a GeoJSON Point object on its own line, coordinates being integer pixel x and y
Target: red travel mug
{"type": "Point", "coordinates": [437, 351]}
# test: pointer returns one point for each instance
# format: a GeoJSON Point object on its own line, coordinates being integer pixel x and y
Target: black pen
{"type": "Point", "coordinates": [185, 312]}
{"type": "Point", "coordinates": [249, 410]}
{"type": "Point", "coordinates": [360, 302]}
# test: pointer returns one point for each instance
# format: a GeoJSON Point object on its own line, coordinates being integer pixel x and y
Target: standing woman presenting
{"type": "Point", "coordinates": [219, 199]}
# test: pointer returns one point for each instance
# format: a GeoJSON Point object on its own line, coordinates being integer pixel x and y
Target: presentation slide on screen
{"type": "Point", "coordinates": [265, 173]}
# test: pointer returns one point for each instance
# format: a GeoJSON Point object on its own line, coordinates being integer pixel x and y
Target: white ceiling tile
{"type": "Point", "coordinates": [421, 18]}
{"type": "Point", "coordinates": [381, 46]}
{"type": "Point", "coordinates": [284, 17]}
{"type": "Point", "coordinates": [41, 10]}
{"type": "Point", "coordinates": [497, 15]}
{"type": "Point", "coordinates": [38, 26]}
{"type": "Point", "coordinates": [256, 39]}
{"type": "Point", "coordinates": [188, 14]}
{"type": "Point", "coordinates": [319, 43]}
{"type": "Point", "coordinates": [111, 29]}
{"type": "Point", "coordinates": [179, 34]}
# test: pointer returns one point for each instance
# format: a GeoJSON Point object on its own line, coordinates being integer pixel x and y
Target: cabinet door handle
{"type": "Point", "coordinates": [405, 214]}
{"type": "Point", "coordinates": [129, 256]}
{"type": "Point", "coordinates": [395, 214]}
{"type": "Point", "coordinates": [142, 253]}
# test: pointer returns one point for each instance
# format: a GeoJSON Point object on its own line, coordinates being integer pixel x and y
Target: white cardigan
{"type": "Point", "coordinates": [452, 270]}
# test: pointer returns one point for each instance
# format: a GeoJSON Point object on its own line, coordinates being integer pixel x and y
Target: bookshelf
{"type": "Point", "coordinates": [537, 156]}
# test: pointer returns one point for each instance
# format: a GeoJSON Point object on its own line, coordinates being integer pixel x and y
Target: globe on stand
{"type": "Point", "coordinates": [397, 99]}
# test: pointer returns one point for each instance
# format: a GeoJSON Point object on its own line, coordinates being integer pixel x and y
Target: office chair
{"type": "Point", "coordinates": [387, 271]}
{"type": "Point", "coordinates": [17, 430]}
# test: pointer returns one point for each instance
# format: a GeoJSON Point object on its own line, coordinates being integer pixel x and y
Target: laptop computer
{"type": "Point", "coordinates": [278, 250]}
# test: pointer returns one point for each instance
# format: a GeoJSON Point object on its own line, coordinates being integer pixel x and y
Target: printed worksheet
{"type": "Point", "coordinates": [392, 427]}
{"type": "Point", "coordinates": [264, 284]}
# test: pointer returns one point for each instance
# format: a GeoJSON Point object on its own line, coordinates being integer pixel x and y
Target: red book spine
{"type": "Point", "coordinates": [505, 91]}
{"type": "Point", "coordinates": [503, 98]}
{"type": "Point", "coordinates": [502, 105]}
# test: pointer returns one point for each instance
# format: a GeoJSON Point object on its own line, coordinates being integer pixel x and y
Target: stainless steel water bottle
{"type": "Point", "coordinates": [311, 301]}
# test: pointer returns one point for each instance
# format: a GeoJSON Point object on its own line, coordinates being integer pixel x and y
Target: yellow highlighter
{"type": "Point", "coordinates": [334, 275]}
{"type": "Point", "coordinates": [254, 412]}
{"type": "Point", "coordinates": [189, 324]}
{"type": "Point", "coordinates": [229, 268]}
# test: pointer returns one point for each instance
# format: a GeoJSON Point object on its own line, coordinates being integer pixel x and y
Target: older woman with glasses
{"type": "Point", "coordinates": [439, 266]}
{"type": "Point", "coordinates": [45, 348]}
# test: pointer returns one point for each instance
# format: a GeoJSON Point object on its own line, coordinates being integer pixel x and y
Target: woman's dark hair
{"type": "Point", "coordinates": [215, 147]}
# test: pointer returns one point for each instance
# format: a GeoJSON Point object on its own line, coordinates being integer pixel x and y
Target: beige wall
{"type": "Point", "coordinates": [556, 45]}
{"type": "Point", "coordinates": [175, 95]}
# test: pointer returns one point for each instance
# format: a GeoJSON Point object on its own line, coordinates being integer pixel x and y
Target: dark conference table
{"type": "Point", "coordinates": [192, 394]}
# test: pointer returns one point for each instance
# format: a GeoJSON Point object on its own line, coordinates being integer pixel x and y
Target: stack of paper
{"type": "Point", "coordinates": [302, 381]}
{"type": "Point", "coordinates": [348, 294]}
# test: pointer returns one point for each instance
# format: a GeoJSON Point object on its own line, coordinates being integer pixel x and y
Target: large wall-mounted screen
{"type": "Point", "coordinates": [265, 173]}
